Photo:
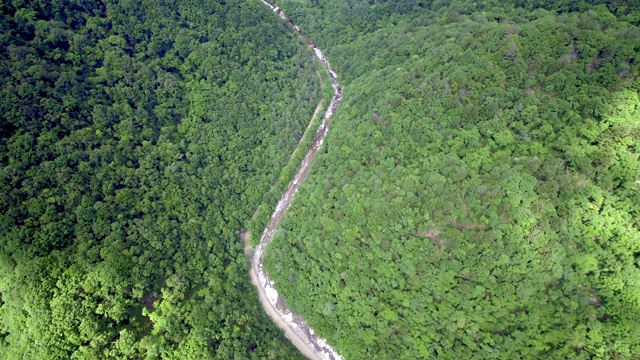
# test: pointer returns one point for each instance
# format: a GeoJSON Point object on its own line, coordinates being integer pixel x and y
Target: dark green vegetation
{"type": "Point", "coordinates": [137, 138]}
{"type": "Point", "coordinates": [270, 198]}
{"type": "Point", "coordinates": [478, 195]}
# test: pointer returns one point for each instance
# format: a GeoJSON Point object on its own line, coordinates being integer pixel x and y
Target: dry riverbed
{"type": "Point", "coordinates": [295, 328]}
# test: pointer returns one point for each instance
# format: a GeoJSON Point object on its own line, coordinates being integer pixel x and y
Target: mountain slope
{"type": "Point", "coordinates": [137, 138]}
{"type": "Point", "coordinates": [478, 192]}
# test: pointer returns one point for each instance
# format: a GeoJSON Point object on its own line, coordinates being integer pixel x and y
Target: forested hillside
{"type": "Point", "coordinates": [137, 139]}
{"type": "Point", "coordinates": [478, 193]}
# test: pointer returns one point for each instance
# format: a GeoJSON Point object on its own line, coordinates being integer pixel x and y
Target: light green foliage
{"type": "Point", "coordinates": [477, 196]}
{"type": "Point", "coordinates": [137, 138]}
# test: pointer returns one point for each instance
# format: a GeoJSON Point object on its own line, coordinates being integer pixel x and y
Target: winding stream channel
{"type": "Point", "coordinates": [296, 329]}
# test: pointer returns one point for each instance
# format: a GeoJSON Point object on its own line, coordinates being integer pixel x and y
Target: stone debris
{"type": "Point", "coordinates": [317, 345]}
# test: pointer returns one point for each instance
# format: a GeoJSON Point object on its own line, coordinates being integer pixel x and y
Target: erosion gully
{"type": "Point", "coordinates": [296, 329]}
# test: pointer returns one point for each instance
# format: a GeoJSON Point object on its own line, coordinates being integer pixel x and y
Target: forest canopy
{"type": "Point", "coordinates": [137, 138]}
{"type": "Point", "coordinates": [477, 196]}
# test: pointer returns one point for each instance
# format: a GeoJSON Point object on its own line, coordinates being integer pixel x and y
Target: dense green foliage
{"type": "Point", "coordinates": [477, 196]}
{"type": "Point", "coordinates": [478, 193]}
{"type": "Point", "coordinates": [335, 22]}
{"type": "Point", "coordinates": [137, 138]}
{"type": "Point", "coordinates": [270, 198]}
